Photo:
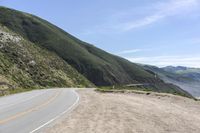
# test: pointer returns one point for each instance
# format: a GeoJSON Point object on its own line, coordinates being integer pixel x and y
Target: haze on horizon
{"type": "Point", "coordinates": [156, 32]}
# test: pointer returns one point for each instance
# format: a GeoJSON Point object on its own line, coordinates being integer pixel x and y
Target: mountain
{"type": "Point", "coordinates": [174, 69]}
{"type": "Point", "coordinates": [98, 66]}
{"type": "Point", "coordinates": [59, 49]}
{"type": "Point", "coordinates": [184, 77]}
{"type": "Point", "coordinates": [191, 73]}
{"type": "Point", "coordinates": [25, 65]}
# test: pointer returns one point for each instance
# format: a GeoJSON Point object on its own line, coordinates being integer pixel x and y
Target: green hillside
{"type": "Point", "coordinates": [25, 65]}
{"type": "Point", "coordinates": [58, 51]}
{"type": "Point", "coordinates": [98, 66]}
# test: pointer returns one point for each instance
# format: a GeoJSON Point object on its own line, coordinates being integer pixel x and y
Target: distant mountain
{"type": "Point", "coordinates": [184, 77]}
{"type": "Point", "coordinates": [174, 69]}
{"type": "Point", "coordinates": [192, 73]}
{"type": "Point", "coordinates": [48, 56]}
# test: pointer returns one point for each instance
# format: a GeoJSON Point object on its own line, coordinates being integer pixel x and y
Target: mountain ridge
{"type": "Point", "coordinates": [76, 52]}
{"type": "Point", "coordinates": [187, 78]}
{"type": "Point", "coordinates": [92, 64]}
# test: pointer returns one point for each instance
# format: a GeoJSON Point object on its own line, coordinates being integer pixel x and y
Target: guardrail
{"type": "Point", "coordinates": [137, 85]}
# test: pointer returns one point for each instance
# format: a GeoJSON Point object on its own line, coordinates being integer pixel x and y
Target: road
{"type": "Point", "coordinates": [29, 112]}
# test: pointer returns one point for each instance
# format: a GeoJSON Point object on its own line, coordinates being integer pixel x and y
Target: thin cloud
{"type": "Point", "coordinates": [131, 51]}
{"type": "Point", "coordinates": [164, 10]}
{"type": "Point", "coordinates": [191, 61]}
{"type": "Point", "coordinates": [145, 21]}
{"type": "Point", "coordinates": [154, 13]}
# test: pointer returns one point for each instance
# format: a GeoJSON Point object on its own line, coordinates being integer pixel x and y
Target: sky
{"type": "Point", "coordinates": [155, 32]}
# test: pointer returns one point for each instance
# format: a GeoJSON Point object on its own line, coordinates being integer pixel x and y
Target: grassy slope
{"type": "Point", "coordinates": [25, 65]}
{"type": "Point", "coordinates": [98, 66]}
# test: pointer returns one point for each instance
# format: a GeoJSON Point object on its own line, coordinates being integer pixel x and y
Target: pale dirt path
{"type": "Point", "coordinates": [130, 113]}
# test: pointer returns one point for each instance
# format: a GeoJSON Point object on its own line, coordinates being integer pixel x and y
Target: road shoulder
{"type": "Point", "coordinates": [127, 113]}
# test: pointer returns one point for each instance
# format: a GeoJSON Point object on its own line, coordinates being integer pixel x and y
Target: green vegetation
{"type": "Point", "coordinates": [35, 53]}
{"type": "Point", "coordinates": [98, 66]}
{"type": "Point", "coordinates": [146, 89]}
{"type": "Point", "coordinates": [25, 65]}
{"type": "Point", "coordinates": [122, 89]}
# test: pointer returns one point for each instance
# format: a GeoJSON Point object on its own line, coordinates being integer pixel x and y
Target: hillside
{"type": "Point", "coordinates": [186, 78]}
{"type": "Point", "coordinates": [191, 73]}
{"type": "Point", "coordinates": [63, 51]}
{"type": "Point", "coordinates": [98, 66]}
{"type": "Point", "coordinates": [25, 65]}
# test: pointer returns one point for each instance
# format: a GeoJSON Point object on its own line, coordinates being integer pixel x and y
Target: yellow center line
{"type": "Point", "coordinates": [48, 101]}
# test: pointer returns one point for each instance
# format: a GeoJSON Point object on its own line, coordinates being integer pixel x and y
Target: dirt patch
{"type": "Point", "coordinates": [130, 113]}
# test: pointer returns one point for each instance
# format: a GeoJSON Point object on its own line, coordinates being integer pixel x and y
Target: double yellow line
{"type": "Point", "coordinates": [48, 101]}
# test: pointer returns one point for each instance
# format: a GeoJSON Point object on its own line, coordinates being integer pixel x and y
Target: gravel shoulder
{"type": "Point", "coordinates": [130, 113]}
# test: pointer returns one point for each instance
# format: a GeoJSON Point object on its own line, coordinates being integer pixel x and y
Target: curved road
{"type": "Point", "coordinates": [31, 111]}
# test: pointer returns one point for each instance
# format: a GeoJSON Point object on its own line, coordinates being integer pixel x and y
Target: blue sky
{"type": "Point", "coordinates": [157, 32]}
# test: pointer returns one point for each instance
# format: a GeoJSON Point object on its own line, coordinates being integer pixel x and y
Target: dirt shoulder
{"type": "Point", "coordinates": [130, 113]}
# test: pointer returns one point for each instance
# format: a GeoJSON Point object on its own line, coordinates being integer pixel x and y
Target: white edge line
{"type": "Point", "coordinates": [55, 118]}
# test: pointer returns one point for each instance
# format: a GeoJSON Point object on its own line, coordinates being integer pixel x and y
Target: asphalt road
{"type": "Point", "coordinates": [31, 111]}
